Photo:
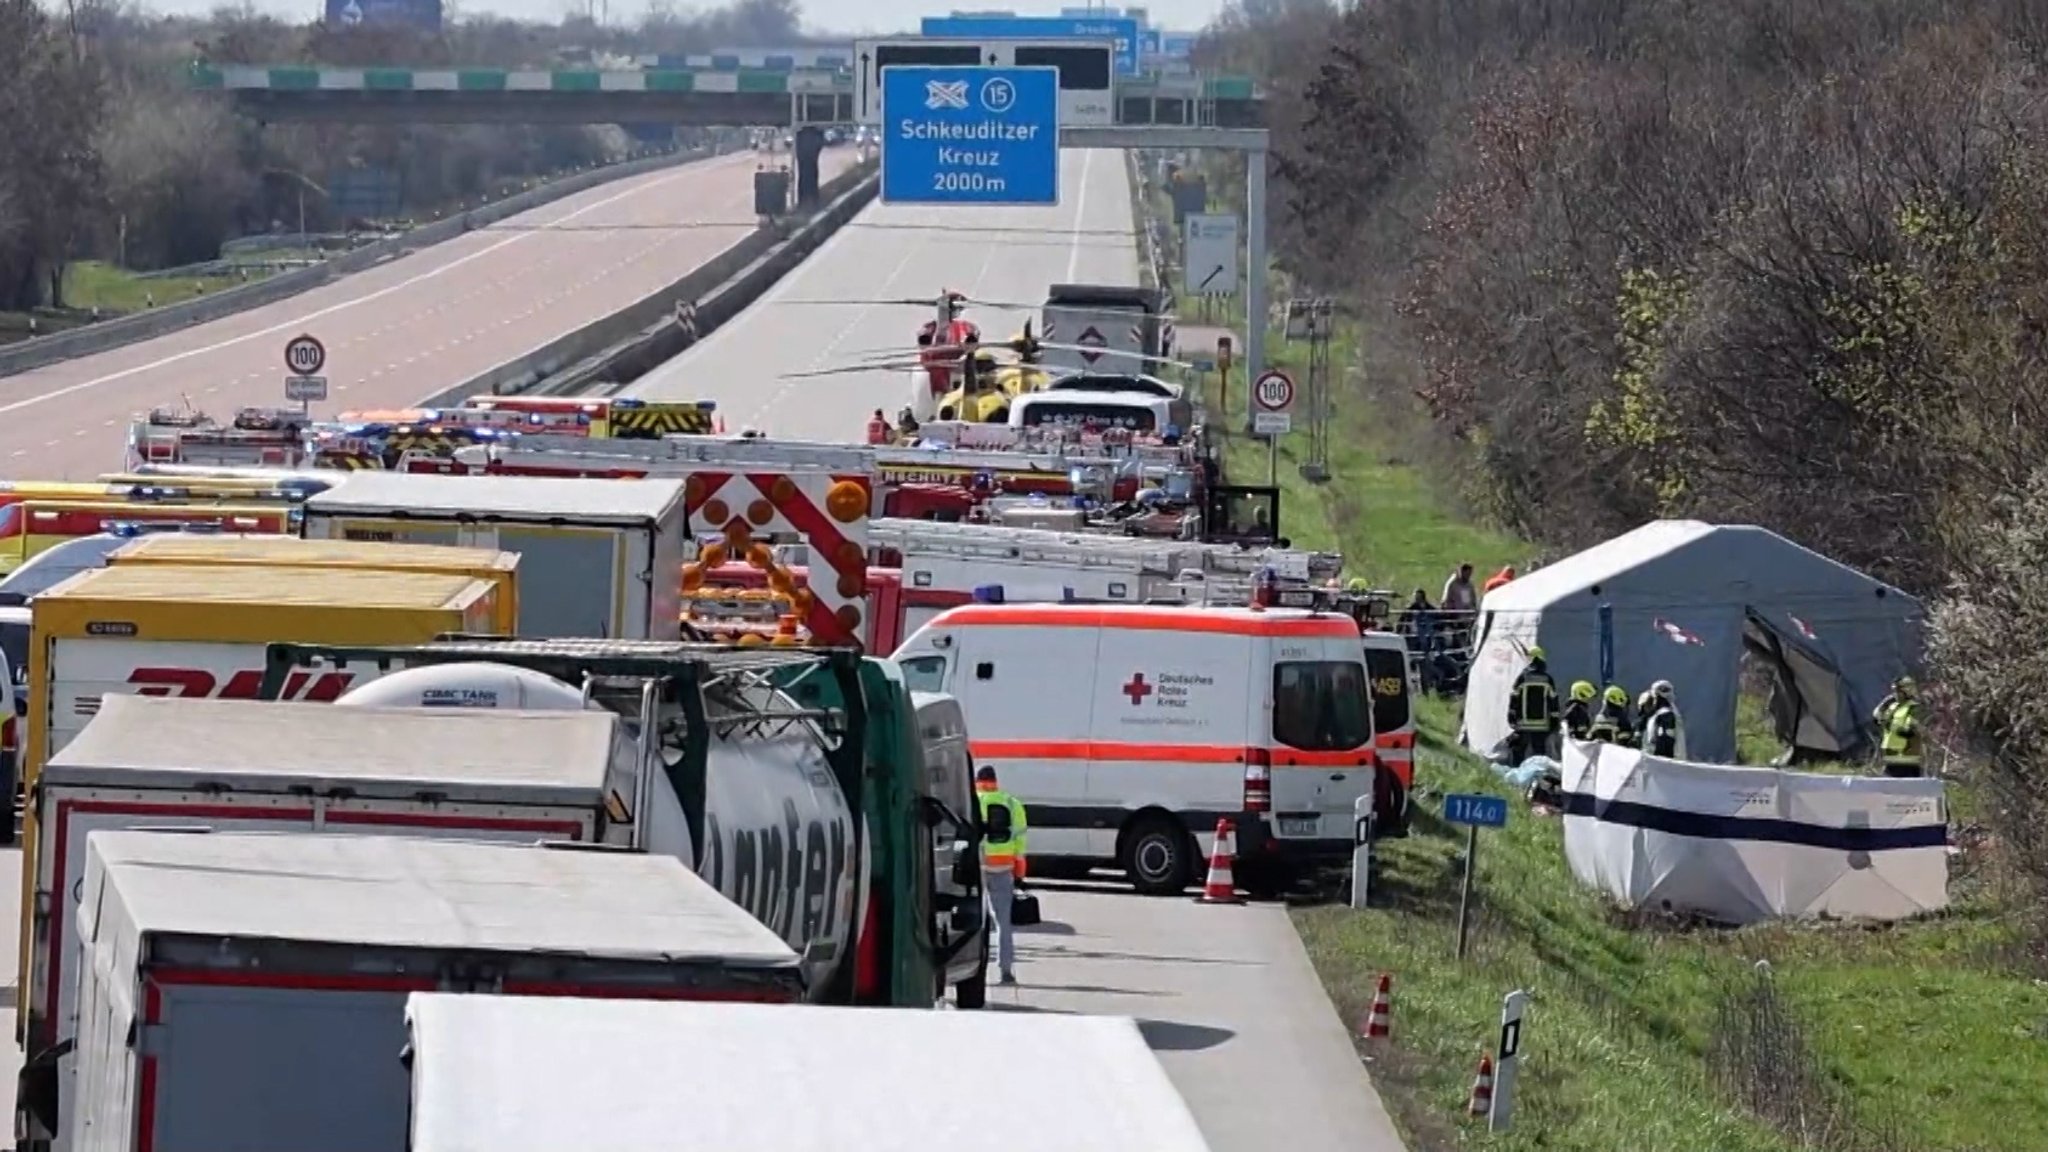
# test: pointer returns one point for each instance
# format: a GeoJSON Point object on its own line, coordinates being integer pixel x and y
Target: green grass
{"type": "Point", "coordinates": [1921, 1037]}
{"type": "Point", "coordinates": [91, 283]}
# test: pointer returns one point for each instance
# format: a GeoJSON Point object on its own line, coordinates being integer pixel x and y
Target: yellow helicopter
{"type": "Point", "coordinates": [982, 387]}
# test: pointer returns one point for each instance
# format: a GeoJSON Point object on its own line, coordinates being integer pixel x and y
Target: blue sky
{"type": "Point", "coordinates": [877, 15]}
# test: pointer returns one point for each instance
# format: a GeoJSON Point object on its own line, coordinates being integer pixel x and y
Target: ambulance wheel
{"type": "Point", "coordinates": [1158, 855]}
{"type": "Point", "coordinates": [972, 993]}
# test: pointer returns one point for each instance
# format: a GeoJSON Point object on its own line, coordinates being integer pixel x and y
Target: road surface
{"type": "Point", "coordinates": [403, 330]}
{"type": "Point", "coordinates": [1225, 994]}
{"type": "Point", "coordinates": [900, 252]}
{"type": "Point", "coordinates": [1227, 999]}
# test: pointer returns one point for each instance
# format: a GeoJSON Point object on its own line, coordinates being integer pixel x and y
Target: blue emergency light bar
{"type": "Point", "coordinates": [993, 594]}
{"type": "Point", "coordinates": [625, 402]}
{"type": "Point", "coordinates": [129, 529]}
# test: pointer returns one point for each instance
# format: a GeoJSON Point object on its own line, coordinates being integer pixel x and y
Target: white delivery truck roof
{"type": "Point", "coordinates": [402, 892]}
{"type": "Point", "coordinates": [516, 498]}
{"type": "Point", "coordinates": [498, 1073]}
{"type": "Point", "coordinates": [491, 755]}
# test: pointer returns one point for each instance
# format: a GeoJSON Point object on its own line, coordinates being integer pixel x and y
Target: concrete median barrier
{"type": "Point", "coordinates": [603, 356]}
{"type": "Point", "coordinates": [133, 329]}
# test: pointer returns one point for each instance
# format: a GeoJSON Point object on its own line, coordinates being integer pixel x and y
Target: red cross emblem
{"type": "Point", "coordinates": [1137, 689]}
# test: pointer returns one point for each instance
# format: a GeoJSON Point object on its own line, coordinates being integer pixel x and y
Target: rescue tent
{"type": "Point", "coordinates": [1739, 845]}
{"type": "Point", "coordinates": [1682, 600]}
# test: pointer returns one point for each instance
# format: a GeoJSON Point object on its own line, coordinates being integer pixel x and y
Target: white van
{"type": "Point", "coordinates": [1128, 730]}
{"type": "Point", "coordinates": [957, 902]}
{"type": "Point", "coordinates": [1141, 413]}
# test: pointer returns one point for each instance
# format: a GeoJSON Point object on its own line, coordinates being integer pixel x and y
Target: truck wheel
{"type": "Point", "coordinates": [972, 993]}
{"type": "Point", "coordinates": [1159, 856]}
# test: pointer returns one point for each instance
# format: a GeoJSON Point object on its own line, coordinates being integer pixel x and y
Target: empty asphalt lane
{"type": "Point", "coordinates": [405, 329]}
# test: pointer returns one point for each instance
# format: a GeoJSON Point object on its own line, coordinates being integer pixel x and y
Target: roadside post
{"type": "Point", "coordinates": [1223, 370]}
{"type": "Point", "coordinates": [1501, 1115]}
{"type": "Point", "coordinates": [1361, 849]}
{"type": "Point", "coordinates": [1272, 415]}
{"type": "Point", "coordinates": [304, 357]}
{"type": "Point", "coordinates": [1474, 812]}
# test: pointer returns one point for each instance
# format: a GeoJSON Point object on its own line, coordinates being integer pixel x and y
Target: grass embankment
{"type": "Point", "coordinates": [115, 292]}
{"type": "Point", "coordinates": [1641, 1036]}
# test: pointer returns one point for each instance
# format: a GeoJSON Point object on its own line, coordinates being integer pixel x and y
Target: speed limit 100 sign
{"type": "Point", "coordinates": [305, 356]}
{"type": "Point", "coordinates": [1274, 391]}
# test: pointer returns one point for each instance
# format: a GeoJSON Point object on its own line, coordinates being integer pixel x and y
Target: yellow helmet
{"type": "Point", "coordinates": [1582, 690]}
{"type": "Point", "coordinates": [1617, 695]}
{"type": "Point", "coordinates": [1535, 652]}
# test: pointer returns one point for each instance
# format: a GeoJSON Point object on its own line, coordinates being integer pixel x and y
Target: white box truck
{"type": "Point", "coordinates": [247, 992]}
{"type": "Point", "coordinates": [499, 1075]}
{"type": "Point", "coordinates": [597, 557]}
{"type": "Point", "coordinates": [252, 766]}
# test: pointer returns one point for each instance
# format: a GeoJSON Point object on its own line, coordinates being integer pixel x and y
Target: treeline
{"type": "Point", "coordinates": [109, 155]}
{"type": "Point", "coordinates": [1781, 262]}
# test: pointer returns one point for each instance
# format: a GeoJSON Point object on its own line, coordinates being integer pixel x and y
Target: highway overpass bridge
{"type": "Point", "coordinates": [715, 97]}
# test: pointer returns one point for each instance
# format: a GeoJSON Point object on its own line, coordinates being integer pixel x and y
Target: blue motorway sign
{"type": "Point", "coordinates": [1120, 29]}
{"type": "Point", "coordinates": [1149, 42]}
{"type": "Point", "coordinates": [1477, 810]}
{"type": "Point", "coordinates": [1177, 45]}
{"type": "Point", "coordinates": [960, 135]}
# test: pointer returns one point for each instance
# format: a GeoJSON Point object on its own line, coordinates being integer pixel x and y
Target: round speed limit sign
{"type": "Point", "coordinates": [1274, 391]}
{"type": "Point", "coordinates": [305, 356]}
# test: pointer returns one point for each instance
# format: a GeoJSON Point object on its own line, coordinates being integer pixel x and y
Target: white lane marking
{"type": "Point", "coordinates": [88, 385]}
{"type": "Point", "coordinates": [1080, 216]}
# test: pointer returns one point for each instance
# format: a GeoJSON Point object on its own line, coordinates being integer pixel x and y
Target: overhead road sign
{"type": "Point", "coordinates": [1087, 71]}
{"type": "Point", "coordinates": [1119, 30]}
{"type": "Point", "coordinates": [970, 135]}
{"type": "Point", "coordinates": [1208, 263]}
{"type": "Point", "coordinates": [1177, 45]}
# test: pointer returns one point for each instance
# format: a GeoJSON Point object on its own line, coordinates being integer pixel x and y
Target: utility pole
{"type": "Point", "coordinates": [1311, 320]}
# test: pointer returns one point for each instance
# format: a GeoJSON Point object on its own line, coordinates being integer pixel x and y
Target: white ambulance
{"type": "Point", "coordinates": [1128, 730]}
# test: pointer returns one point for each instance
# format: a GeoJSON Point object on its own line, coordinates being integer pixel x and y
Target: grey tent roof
{"type": "Point", "coordinates": [1667, 563]}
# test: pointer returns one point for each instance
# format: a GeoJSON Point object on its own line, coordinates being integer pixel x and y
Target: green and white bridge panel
{"type": "Point", "coordinates": [491, 80]}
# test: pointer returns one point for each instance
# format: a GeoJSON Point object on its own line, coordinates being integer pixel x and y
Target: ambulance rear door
{"type": "Point", "coordinates": [1320, 718]}
{"type": "Point", "coordinates": [1170, 726]}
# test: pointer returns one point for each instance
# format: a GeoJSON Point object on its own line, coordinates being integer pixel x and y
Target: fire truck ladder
{"type": "Point", "coordinates": [1026, 545]}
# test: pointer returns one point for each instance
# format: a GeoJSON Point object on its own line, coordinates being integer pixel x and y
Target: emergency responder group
{"type": "Point", "coordinates": [1536, 715]}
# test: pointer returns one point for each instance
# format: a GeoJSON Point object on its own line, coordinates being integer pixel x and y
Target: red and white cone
{"type": "Point", "coordinates": [1379, 1022]}
{"type": "Point", "coordinates": [720, 429]}
{"type": "Point", "coordinates": [1221, 887]}
{"type": "Point", "coordinates": [1482, 1088]}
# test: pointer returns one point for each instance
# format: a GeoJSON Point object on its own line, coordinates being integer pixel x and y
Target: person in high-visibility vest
{"type": "Point", "coordinates": [878, 428]}
{"type": "Point", "coordinates": [1578, 715]}
{"type": "Point", "coordinates": [1532, 710]}
{"type": "Point", "coordinates": [1002, 863]}
{"type": "Point", "coordinates": [1611, 721]}
{"type": "Point", "coordinates": [1902, 739]}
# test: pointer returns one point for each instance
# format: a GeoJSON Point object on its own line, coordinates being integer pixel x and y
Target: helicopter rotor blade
{"type": "Point", "coordinates": [849, 370]}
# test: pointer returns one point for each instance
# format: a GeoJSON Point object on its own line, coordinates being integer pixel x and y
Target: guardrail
{"type": "Point", "coordinates": [133, 329]}
{"type": "Point", "coordinates": [576, 360]}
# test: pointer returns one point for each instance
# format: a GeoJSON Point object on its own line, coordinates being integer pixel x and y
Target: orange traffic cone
{"type": "Point", "coordinates": [1379, 1022]}
{"type": "Point", "coordinates": [1482, 1088]}
{"type": "Point", "coordinates": [1221, 888]}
